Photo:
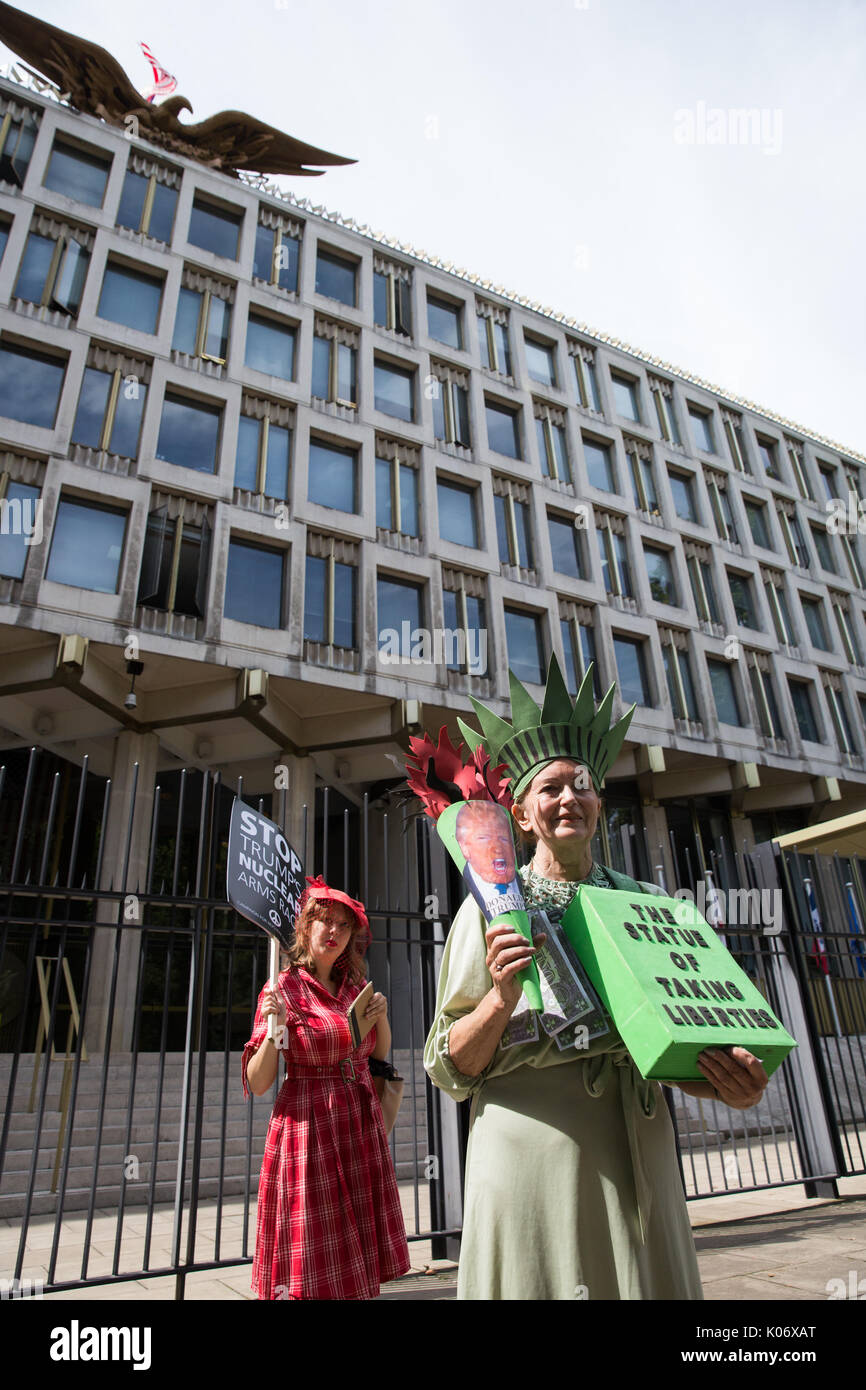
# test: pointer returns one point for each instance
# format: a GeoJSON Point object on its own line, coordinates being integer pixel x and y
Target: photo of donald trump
{"type": "Point", "coordinates": [483, 833]}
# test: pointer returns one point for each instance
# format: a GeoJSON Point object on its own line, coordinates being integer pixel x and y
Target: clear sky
{"type": "Point", "coordinates": [580, 152]}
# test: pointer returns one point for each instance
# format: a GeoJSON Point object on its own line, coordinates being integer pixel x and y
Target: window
{"type": "Point", "coordinates": [503, 430]}
{"type": "Point", "coordinates": [457, 522]}
{"type": "Point", "coordinates": [683, 493]}
{"type": "Point", "coordinates": [201, 326]}
{"type": "Point", "coordinates": [743, 600]}
{"type": "Point", "coordinates": [846, 630]}
{"type": "Point", "coordinates": [77, 173]}
{"type": "Point", "coordinates": [30, 385]}
{"type": "Point", "coordinates": [336, 277]}
{"type": "Point", "coordinates": [131, 297]}
{"type": "Point", "coordinates": [813, 612]}
{"type": "Point", "coordinates": [189, 433]}
{"type": "Point", "coordinates": [392, 296]}
{"type": "Point", "coordinates": [660, 571]}
{"type": "Point", "coordinates": [264, 448]}
{"type": "Point", "coordinates": [702, 429]}
{"type": "Point", "coordinates": [794, 540]}
{"type": "Point", "coordinates": [254, 584]}
{"type": "Point", "coordinates": [333, 475]}
{"type": "Point", "coordinates": [215, 228]}
{"type": "Point", "coordinates": [613, 550]}
{"type": "Point", "coordinates": [585, 377]}
{"type": "Point", "coordinates": [493, 338]}
{"type": "Point", "coordinates": [578, 646]}
{"type": "Point", "coordinates": [465, 622]}
{"type": "Point", "coordinates": [110, 409]}
{"type": "Point", "coordinates": [87, 545]}
{"type": "Point", "coordinates": [838, 713]}
{"type": "Point", "coordinates": [598, 467]}
{"type": "Point", "coordinates": [722, 514]}
{"type": "Point", "coordinates": [540, 360]}
{"type": "Point", "coordinates": [19, 525]}
{"type": "Point", "coordinates": [445, 321]}
{"type": "Point", "coordinates": [850, 549]}
{"type": "Point", "coordinates": [394, 389]}
{"type": "Point", "coordinates": [270, 347]}
{"type": "Point", "coordinates": [795, 458]}
{"type": "Point", "coordinates": [625, 396]}
{"type": "Point", "coordinates": [678, 674]}
{"type": "Point", "coordinates": [396, 490]}
{"type": "Point", "coordinates": [756, 515]}
{"type": "Point", "coordinates": [513, 525]}
{"type": "Point", "coordinates": [767, 451]}
{"type": "Point", "coordinates": [631, 669]}
{"type": "Point", "coordinates": [724, 692]}
{"type": "Point", "coordinates": [764, 695]}
{"type": "Point", "coordinates": [551, 439]}
{"type": "Point", "coordinates": [525, 647]}
{"type": "Point", "coordinates": [149, 199]}
{"type": "Point", "coordinates": [330, 592]}
{"type": "Point", "coordinates": [4, 237]}
{"type": "Point", "coordinates": [565, 546]}
{"type": "Point", "coordinates": [703, 588]}
{"type": "Point", "coordinates": [663, 398]}
{"type": "Point", "coordinates": [642, 480]}
{"type": "Point", "coordinates": [822, 548]}
{"type": "Point", "coordinates": [450, 406]}
{"type": "Point", "coordinates": [54, 265]}
{"type": "Point", "coordinates": [335, 356]}
{"type": "Point", "coordinates": [803, 700]}
{"type": "Point", "coordinates": [276, 254]}
{"type": "Point", "coordinates": [773, 583]}
{"type": "Point", "coordinates": [398, 602]}
{"type": "Point", "coordinates": [176, 557]}
{"type": "Point", "coordinates": [829, 480]}
{"type": "Point", "coordinates": [734, 435]}
{"type": "Point", "coordinates": [17, 138]}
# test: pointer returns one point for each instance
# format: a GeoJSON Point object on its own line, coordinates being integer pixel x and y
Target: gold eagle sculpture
{"type": "Point", "coordinates": [96, 85]}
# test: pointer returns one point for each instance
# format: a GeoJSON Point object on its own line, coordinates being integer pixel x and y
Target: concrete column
{"type": "Point", "coordinates": [656, 823]}
{"type": "Point", "coordinates": [129, 748]}
{"type": "Point", "coordinates": [295, 788]}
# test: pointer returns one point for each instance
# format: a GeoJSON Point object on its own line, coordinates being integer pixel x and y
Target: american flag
{"type": "Point", "coordinates": [163, 82]}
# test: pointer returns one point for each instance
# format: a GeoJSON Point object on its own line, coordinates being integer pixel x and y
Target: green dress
{"type": "Point", "coordinates": [572, 1184]}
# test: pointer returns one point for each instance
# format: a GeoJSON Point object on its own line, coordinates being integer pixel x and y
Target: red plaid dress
{"type": "Point", "coordinates": [329, 1218]}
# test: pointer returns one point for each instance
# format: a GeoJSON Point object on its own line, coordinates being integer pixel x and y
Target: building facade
{"type": "Point", "coordinates": [306, 490]}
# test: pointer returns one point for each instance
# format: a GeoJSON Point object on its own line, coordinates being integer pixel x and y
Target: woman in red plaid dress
{"type": "Point", "coordinates": [329, 1219]}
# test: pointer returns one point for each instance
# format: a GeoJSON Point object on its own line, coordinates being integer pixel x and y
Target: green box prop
{"type": "Point", "coordinates": [668, 983]}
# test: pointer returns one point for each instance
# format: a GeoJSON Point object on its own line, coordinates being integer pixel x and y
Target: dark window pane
{"type": "Point", "coordinates": [247, 457]}
{"type": "Point", "coordinates": [68, 284]}
{"type": "Point", "coordinates": [525, 654]}
{"type": "Point", "coordinates": [189, 304]}
{"type": "Point", "coordinates": [397, 602]}
{"type": "Point", "coordinates": [215, 229]}
{"type": "Point", "coordinates": [254, 584]}
{"type": "Point", "coordinates": [189, 434]}
{"type": "Point", "coordinates": [132, 198]}
{"type": "Point", "coordinates": [681, 491]}
{"type": "Point", "coordinates": [822, 546]}
{"type": "Point", "coordinates": [502, 530]}
{"type": "Point", "coordinates": [452, 622]}
{"type": "Point", "coordinates": [264, 253]}
{"type": "Point", "coordinates": [33, 271]}
{"type": "Point", "coordinates": [30, 385]}
{"type": "Point", "coordinates": [315, 624]}
{"type": "Point", "coordinates": [524, 536]}
{"type": "Point", "coordinates": [563, 546]}
{"type": "Point", "coordinates": [661, 576]}
{"type": "Point", "coordinates": [344, 605]}
{"type": "Point", "coordinates": [815, 624]}
{"type": "Point", "coordinates": [19, 523]}
{"type": "Point", "coordinates": [332, 477]}
{"type": "Point", "coordinates": [758, 524]}
{"type": "Point", "coordinates": [271, 348]}
{"type": "Point", "coordinates": [86, 546]}
{"type": "Point", "coordinates": [92, 402]}
{"type": "Point", "coordinates": [128, 413]}
{"type": "Point", "coordinates": [598, 465]}
{"type": "Point", "coordinates": [131, 298]}
{"type": "Point", "coordinates": [216, 338]}
{"type": "Point", "coordinates": [4, 237]}
{"type": "Point", "coordinates": [277, 463]}
{"type": "Point", "coordinates": [804, 711]}
{"type": "Point", "coordinates": [384, 507]}
{"type": "Point", "coordinates": [76, 174]}
{"type": "Point", "coordinates": [457, 514]}
{"type": "Point", "coordinates": [703, 431]}
{"type": "Point", "coordinates": [633, 686]}
{"type": "Point", "coordinates": [162, 213]}
{"type": "Point", "coordinates": [189, 573]}
{"type": "Point", "coordinates": [741, 593]}
{"type": "Point", "coordinates": [380, 299]}
{"type": "Point", "coordinates": [540, 362]}
{"type": "Point", "coordinates": [346, 385]}
{"type": "Point", "coordinates": [502, 432]}
{"type": "Point", "coordinates": [625, 397]}
{"type": "Point", "coordinates": [460, 403]}
{"type": "Point", "coordinates": [724, 692]}
{"type": "Point", "coordinates": [321, 383]}
{"type": "Point", "coordinates": [443, 323]}
{"type": "Point", "coordinates": [408, 500]}
{"type": "Point", "coordinates": [572, 681]}
{"type": "Point", "coordinates": [394, 391]}
{"type": "Point", "coordinates": [17, 149]}
{"type": "Point", "coordinates": [335, 277]}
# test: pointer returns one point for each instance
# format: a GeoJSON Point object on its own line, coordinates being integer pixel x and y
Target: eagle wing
{"type": "Point", "coordinates": [95, 81]}
{"type": "Point", "coordinates": [241, 141]}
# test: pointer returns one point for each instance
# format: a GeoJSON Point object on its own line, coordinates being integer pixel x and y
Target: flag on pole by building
{"type": "Point", "coordinates": [858, 950]}
{"type": "Point", "coordinates": [818, 949]}
{"type": "Point", "coordinates": [163, 82]}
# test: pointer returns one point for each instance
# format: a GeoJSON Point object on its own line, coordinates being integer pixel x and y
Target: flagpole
{"type": "Point", "coordinates": [812, 904]}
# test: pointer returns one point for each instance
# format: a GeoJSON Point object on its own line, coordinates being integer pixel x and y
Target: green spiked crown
{"type": "Point", "coordinates": [557, 730]}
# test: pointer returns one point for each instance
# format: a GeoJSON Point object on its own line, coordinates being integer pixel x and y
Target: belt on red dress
{"type": "Point", "coordinates": [351, 1069]}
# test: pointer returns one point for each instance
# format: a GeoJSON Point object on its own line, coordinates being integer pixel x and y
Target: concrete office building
{"type": "Point", "coordinates": [272, 452]}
